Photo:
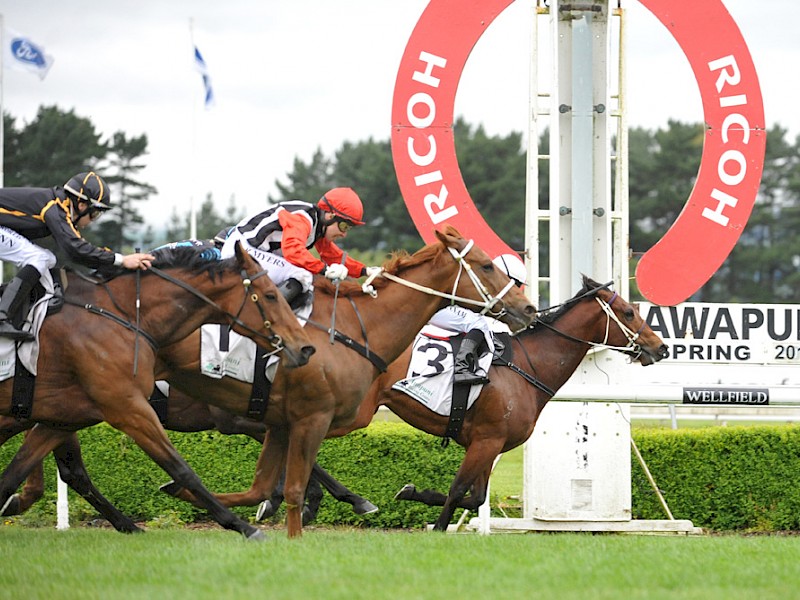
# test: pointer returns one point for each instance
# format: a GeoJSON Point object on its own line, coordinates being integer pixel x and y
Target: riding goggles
{"type": "Point", "coordinates": [344, 226]}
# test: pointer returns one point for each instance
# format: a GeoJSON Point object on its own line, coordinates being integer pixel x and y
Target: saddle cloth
{"type": "Point", "coordinates": [225, 353]}
{"type": "Point", "coordinates": [28, 351]}
{"type": "Point", "coordinates": [429, 379]}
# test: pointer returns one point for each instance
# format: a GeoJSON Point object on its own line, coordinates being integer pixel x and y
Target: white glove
{"type": "Point", "coordinates": [336, 271]}
{"type": "Point", "coordinates": [374, 271]}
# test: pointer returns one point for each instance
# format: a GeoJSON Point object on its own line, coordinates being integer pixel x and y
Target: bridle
{"type": "Point", "coordinates": [487, 301]}
{"type": "Point", "coordinates": [632, 346]}
{"type": "Point", "coordinates": [272, 338]}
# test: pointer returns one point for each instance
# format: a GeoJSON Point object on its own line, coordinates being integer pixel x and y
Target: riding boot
{"type": "Point", "coordinates": [466, 361]}
{"type": "Point", "coordinates": [292, 290]}
{"type": "Point", "coordinates": [14, 296]}
{"type": "Point", "coordinates": [56, 302]}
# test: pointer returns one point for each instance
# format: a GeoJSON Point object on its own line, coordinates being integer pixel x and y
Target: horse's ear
{"type": "Point", "coordinates": [449, 236]}
{"type": "Point", "coordinates": [241, 255]}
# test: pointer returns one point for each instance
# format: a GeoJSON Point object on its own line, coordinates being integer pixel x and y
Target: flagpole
{"type": "Point", "coordinates": [2, 121]}
{"type": "Point", "coordinates": [193, 171]}
{"type": "Point", "coordinates": [2, 118]}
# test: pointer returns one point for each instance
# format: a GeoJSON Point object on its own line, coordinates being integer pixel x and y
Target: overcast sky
{"type": "Point", "coordinates": [291, 76]}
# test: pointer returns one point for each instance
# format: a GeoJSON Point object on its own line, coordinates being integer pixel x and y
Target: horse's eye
{"type": "Point", "coordinates": [488, 267]}
{"type": "Point", "coordinates": [629, 314]}
{"type": "Point", "coordinates": [271, 296]}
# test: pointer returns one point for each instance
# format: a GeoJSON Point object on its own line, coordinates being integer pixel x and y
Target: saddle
{"type": "Point", "coordinates": [54, 304]}
{"type": "Point", "coordinates": [24, 380]}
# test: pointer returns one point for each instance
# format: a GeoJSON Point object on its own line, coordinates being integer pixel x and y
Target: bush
{"type": "Point", "coordinates": [721, 478]}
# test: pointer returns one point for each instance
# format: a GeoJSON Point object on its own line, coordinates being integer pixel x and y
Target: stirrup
{"type": "Point", "coordinates": [469, 378]}
{"type": "Point", "coordinates": [9, 331]}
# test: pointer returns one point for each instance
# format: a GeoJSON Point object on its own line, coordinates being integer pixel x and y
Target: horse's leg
{"type": "Point", "coordinates": [271, 505]}
{"type": "Point", "coordinates": [136, 419]}
{"type": "Point", "coordinates": [361, 506]}
{"type": "Point", "coordinates": [73, 472]}
{"type": "Point", "coordinates": [313, 499]}
{"type": "Point", "coordinates": [472, 475]}
{"type": "Point", "coordinates": [37, 444]}
{"type": "Point", "coordinates": [304, 443]}
{"type": "Point", "coordinates": [269, 468]}
{"type": "Point", "coordinates": [33, 489]}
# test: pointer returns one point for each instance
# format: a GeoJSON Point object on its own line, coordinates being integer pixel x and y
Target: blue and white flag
{"type": "Point", "coordinates": [22, 53]}
{"type": "Point", "coordinates": [200, 65]}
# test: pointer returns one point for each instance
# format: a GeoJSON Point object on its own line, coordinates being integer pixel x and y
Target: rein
{"type": "Point", "coordinates": [488, 301]}
{"type": "Point", "coordinates": [274, 339]}
{"type": "Point", "coordinates": [631, 348]}
{"type": "Point", "coordinates": [363, 350]}
{"type": "Point", "coordinates": [109, 315]}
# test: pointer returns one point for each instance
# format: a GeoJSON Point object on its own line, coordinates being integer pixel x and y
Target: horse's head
{"type": "Point", "coordinates": [265, 316]}
{"type": "Point", "coordinates": [628, 331]}
{"type": "Point", "coordinates": [478, 279]}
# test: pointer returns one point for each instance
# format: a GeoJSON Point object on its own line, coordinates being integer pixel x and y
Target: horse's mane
{"type": "Point", "coordinates": [397, 262]}
{"type": "Point", "coordinates": [589, 290]}
{"type": "Point", "coordinates": [194, 256]}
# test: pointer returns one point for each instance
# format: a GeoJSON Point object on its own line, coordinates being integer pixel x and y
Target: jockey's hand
{"type": "Point", "coordinates": [138, 260]}
{"type": "Point", "coordinates": [370, 271]}
{"type": "Point", "coordinates": [336, 271]}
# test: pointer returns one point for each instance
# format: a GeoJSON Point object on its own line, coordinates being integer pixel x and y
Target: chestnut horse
{"type": "Point", "coordinates": [505, 413]}
{"type": "Point", "coordinates": [305, 403]}
{"type": "Point", "coordinates": [96, 360]}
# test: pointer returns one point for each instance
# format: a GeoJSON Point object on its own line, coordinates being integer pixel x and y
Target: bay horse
{"type": "Point", "coordinates": [503, 416]}
{"type": "Point", "coordinates": [306, 402]}
{"type": "Point", "coordinates": [97, 362]}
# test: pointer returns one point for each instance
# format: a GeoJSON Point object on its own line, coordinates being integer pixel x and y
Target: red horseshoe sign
{"type": "Point", "coordinates": [733, 154]}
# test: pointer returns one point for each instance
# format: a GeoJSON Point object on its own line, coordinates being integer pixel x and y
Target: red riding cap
{"type": "Point", "coordinates": [344, 203]}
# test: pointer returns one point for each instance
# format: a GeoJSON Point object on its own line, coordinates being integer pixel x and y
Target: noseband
{"type": "Point", "coordinates": [488, 301]}
{"type": "Point", "coordinates": [632, 346]}
{"type": "Point", "coordinates": [274, 339]}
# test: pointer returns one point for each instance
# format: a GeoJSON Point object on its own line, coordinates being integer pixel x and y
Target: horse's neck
{"type": "Point", "coordinates": [555, 357]}
{"type": "Point", "coordinates": [167, 312]}
{"type": "Point", "coordinates": [395, 317]}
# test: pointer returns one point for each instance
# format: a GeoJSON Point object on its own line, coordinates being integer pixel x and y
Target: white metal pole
{"type": "Point", "coordinates": [62, 504]}
{"type": "Point", "coordinates": [2, 120]}
{"type": "Point", "coordinates": [193, 168]}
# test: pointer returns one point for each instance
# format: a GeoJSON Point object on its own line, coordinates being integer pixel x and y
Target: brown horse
{"type": "Point", "coordinates": [97, 364]}
{"type": "Point", "coordinates": [305, 403]}
{"type": "Point", "coordinates": [504, 414]}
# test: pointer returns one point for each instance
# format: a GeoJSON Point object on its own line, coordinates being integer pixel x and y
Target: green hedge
{"type": "Point", "coordinates": [374, 463]}
{"type": "Point", "coordinates": [721, 478]}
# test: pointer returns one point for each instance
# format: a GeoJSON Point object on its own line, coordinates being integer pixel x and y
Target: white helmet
{"type": "Point", "coordinates": [512, 265]}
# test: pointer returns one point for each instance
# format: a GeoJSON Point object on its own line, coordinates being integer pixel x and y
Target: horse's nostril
{"type": "Point", "coordinates": [307, 351]}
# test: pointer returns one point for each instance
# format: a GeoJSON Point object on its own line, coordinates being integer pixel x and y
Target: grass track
{"type": "Point", "coordinates": [352, 564]}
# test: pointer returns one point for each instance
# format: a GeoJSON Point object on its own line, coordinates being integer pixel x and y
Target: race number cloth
{"type": "Point", "coordinates": [225, 353]}
{"type": "Point", "coordinates": [28, 351]}
{"type": "Point", "coordinates": [430, 371]}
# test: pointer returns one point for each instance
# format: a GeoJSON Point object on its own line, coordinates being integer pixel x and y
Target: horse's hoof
{"type": "Point", "coordinates": [256, 536]}
{"type": "Point", "coordinates": [407, 493]}
{"type": "Point", "coordinates": [265, 510]}
{"type": "Point", "coordinates": [365, 508]}
{"type": "Point", "coordinates": [11, 507]}
{"type": "Point", "coordinates": [171, 488]}
{"type": "Point", "coordinates": [307, 516]}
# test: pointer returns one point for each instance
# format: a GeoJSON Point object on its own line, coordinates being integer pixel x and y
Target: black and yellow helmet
{"type": "Point", "coordinates": [90, 188]}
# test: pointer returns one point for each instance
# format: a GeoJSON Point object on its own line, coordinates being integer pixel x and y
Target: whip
{"type": "Point", "coordinates": [138, 306]}
{"type": "Point", "coordinates": [335, 298]}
